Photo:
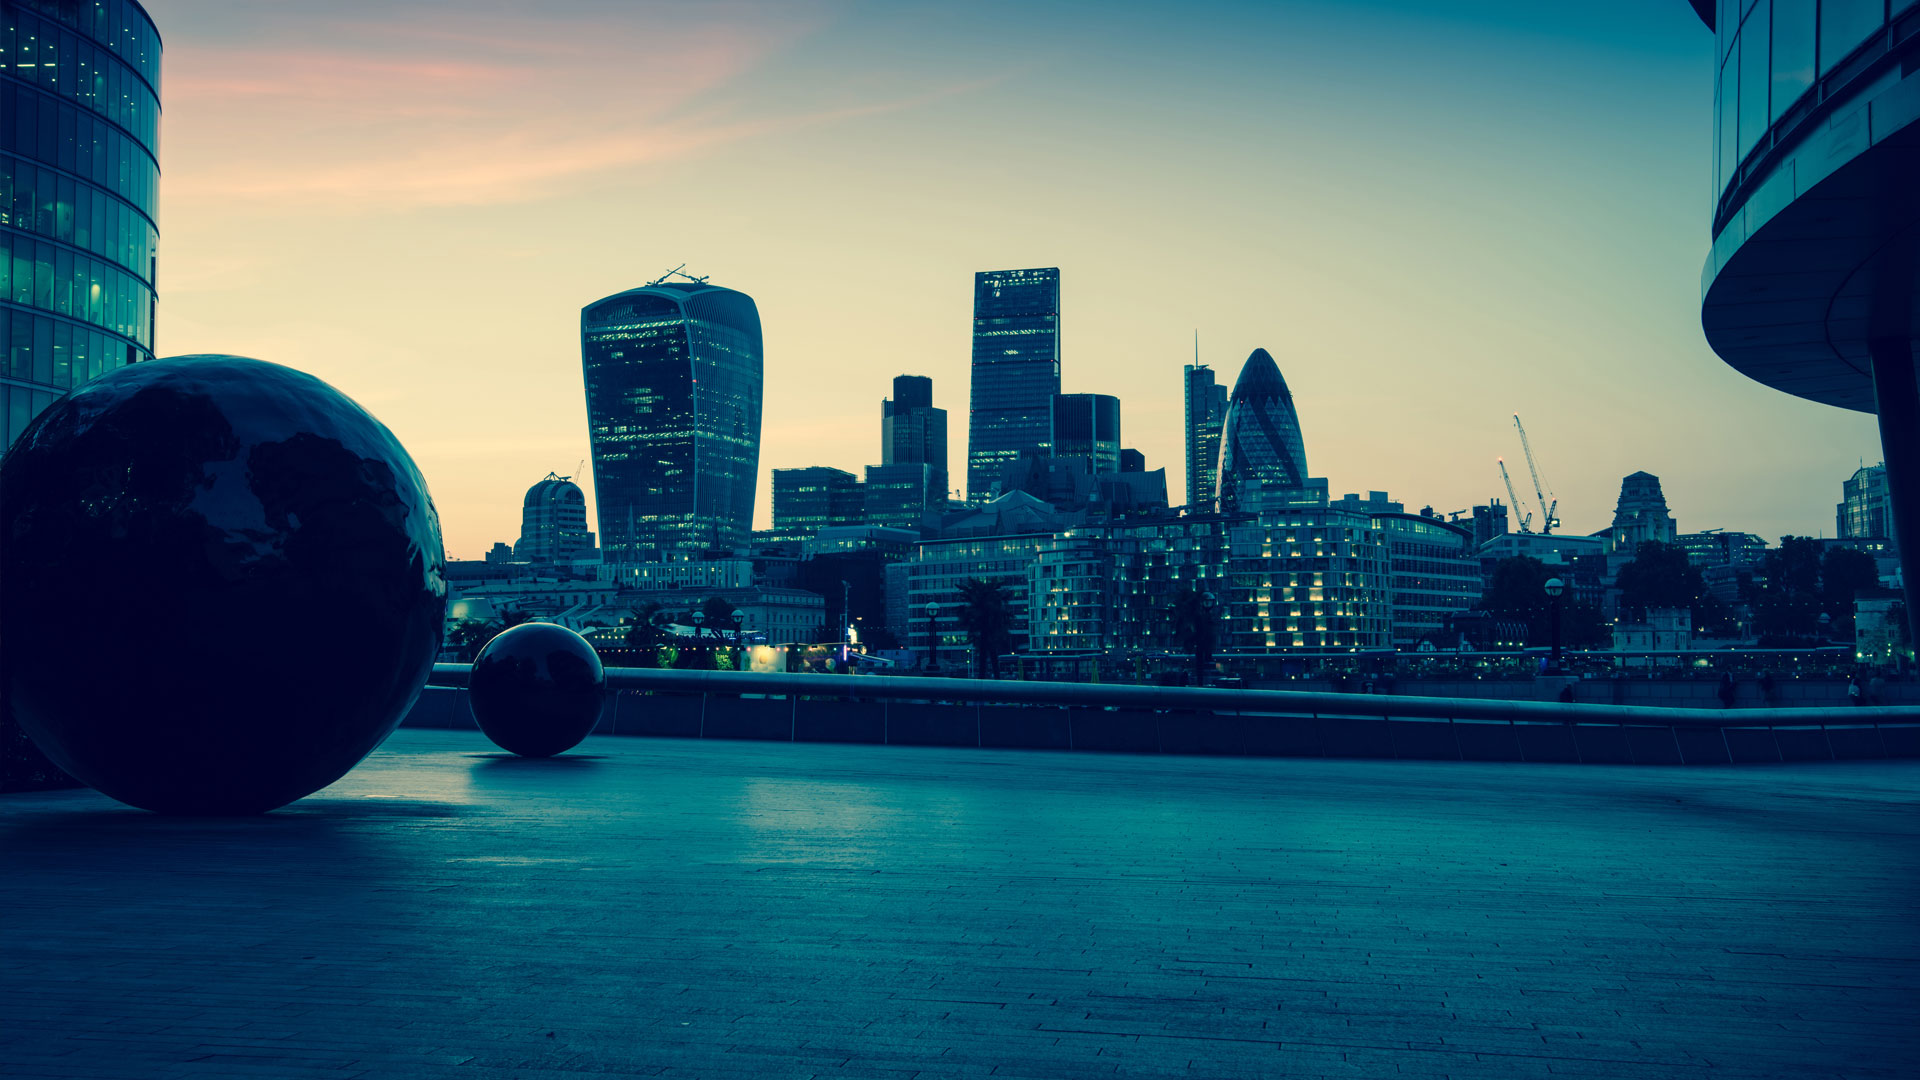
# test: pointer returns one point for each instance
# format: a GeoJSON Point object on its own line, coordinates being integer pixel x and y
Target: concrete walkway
{"type": "Point", "coordinates": [655, 907]}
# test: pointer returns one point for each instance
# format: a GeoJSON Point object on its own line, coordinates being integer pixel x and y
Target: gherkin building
{"type": "Point", "coordinates": [1260, 447]}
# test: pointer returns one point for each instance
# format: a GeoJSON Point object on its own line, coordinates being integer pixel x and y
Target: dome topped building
{"type": "Point", "coordinates": [1261, 451]}
{"type": "Point", "coordinates": [553, 523]}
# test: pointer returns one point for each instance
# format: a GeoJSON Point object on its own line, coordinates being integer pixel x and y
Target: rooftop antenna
{"type": "Point", "coordinates": [680, 270]}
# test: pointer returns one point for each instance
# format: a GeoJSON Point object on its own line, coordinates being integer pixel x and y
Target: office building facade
{"type": "Point", "coordinates": [912, 431]}
{"type": "Point", "coordinates": [1087, 426]}
{"type": "Point", "coordinates": [1016, 371]}
{"type": "Point", "coordinates": [1433, 575]}
{"type": "Point", "coordinates": [1114, 587]}
{"type": "Point", "coordinates": [1263, 460]}
{"type": "Point", "coordinates": [814, 498]}
{"type": "Point", "coordinates": [904, 496]}
{"type": "Point", "coordinates": [553, 523]}
{"type": "Point", "coordinates": [673, 379]}
{"type": "Point", "coordinates": [1308, 579]}
{"type": "Point", "coordinates": [1809, 285]}
{"type": "Point", "coordinates": [79, 180]}
{"type": "Point", "coordinates": [1204, 413]}
{"type": "Point", "coordinates": [934, 576]}
{"type": "Point", "coordinates": [1864, 511]}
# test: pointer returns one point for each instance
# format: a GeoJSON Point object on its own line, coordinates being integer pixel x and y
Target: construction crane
{"type": "Point", "coordinates": [1547, 524]}
{"type": "Point", "coordinates": [1513, 498]}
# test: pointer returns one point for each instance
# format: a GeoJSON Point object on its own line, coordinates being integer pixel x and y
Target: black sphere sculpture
{"type": "Point", "coordinates": [537, 689]}
{"type": "Point", "coordinates": [221, 584]}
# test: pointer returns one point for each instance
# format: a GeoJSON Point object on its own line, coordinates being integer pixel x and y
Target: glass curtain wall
{"type": "Point", "coordinates": [79, 182]}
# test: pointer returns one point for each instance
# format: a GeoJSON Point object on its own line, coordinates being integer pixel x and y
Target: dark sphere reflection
{"type": "Point", "coordinates": [221, 584]}
{"type": "Point", "coordinates": [537, 689]}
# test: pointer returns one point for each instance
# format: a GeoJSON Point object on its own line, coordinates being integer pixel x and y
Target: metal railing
{"type": "Point", "coordinates": [1195, 699]}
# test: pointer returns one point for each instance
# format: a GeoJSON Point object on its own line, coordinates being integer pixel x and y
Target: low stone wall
{"type": "Point", "coordinates": [1258, 735]}
{"type": "Point", "coordinates": [1820, 693]}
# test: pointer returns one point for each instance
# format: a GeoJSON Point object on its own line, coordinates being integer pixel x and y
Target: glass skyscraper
{"type": "Point", "coordinates": [1016, 371]}
{"type": "Point", "coordinates": [1087, 426]}
{"type": "Point", "coordinates": [79, 121]}
{"type": "Point", "coordinates": [673, 374]}
{"type": "Point", "coordinates": [1205, 412]}
{"type": "Point", "coordinates": [1261, 452]}
{"type": "Point", "coordinates": [912, 431]}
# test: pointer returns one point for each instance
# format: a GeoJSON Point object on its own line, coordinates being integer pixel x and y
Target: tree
{"type": "Point", "coordinates": [986, 613]}
{"type": "Point", "coordinates": [1518, 590]}
{"type": "Point", "coordinates": [1195, 627]}
{"type": "Point", "coordinates": [474, 635]}
{"type": "Point", "coordinates": [646, 632]}
{"type": "Point", "coordinates": [1660, 576]}
{"type": "Point", "coordinates": [1787, 606]}
{"type": "Point", "coordinates": [1844, 574]}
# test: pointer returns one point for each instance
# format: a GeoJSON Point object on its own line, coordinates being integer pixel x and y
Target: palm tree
{"type": "Point", "coordinates": [646, 632]}
{"type": "Point", "coordinates": [986, 613]}
{"type": "Point", "coordinates": [474, 635]}
{"type": "Point", "coordinates": [1195, 624]}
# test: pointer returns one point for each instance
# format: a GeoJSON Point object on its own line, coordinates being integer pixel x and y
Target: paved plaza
{"type": "Point", "coordinates": [653, 907]}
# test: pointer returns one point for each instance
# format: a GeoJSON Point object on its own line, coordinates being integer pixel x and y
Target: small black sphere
{"type": "Point", "coordinates": [221, 584]}
{"type": "Point", "coordinates": [537, 689]}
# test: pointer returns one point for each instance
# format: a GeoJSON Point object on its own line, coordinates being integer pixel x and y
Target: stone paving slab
{"type": "Point", "coordinates": [654, 907]}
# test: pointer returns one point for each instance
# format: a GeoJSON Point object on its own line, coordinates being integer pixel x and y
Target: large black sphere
{"type": "Point", "coordinates": [537, 689]}
{"type": "Point", "coordinates": [221, 584]}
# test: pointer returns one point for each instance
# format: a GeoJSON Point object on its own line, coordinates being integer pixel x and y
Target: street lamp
{"type": "Point", "coordinates": [739, 620]}
{"type": "Point", "coordinates": [933, 635]}
{"type": "Point", "coordinates": [1203, 648]}
{"type": "Point", "coordinates": [1555, 587]}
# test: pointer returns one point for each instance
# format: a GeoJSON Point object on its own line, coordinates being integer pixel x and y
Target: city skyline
{"type": "Point", "coordinates": [1422, 265]}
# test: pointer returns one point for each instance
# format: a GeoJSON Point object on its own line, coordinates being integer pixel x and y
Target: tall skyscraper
{"type": "Point", "coordinates": [78, 185]}
{"type": "Point", "coordinates": [553, 523]}
{"type": "Point", "coordinates": [912, 431]}
{"type": "Point", "coordinates": [673, 374]}
{"type": "Point", "coordinates": [1206, 413]}
{"type": "Point", "coordinates": [1088, 426]}
{"type": "Point", "coordinates": [1262, 457]}
{"type": "Point", "coordinates": [1016, 371]}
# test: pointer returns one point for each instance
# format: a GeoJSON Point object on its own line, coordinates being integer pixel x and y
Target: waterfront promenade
{"type": "Point", "coordinates": [717, 908]}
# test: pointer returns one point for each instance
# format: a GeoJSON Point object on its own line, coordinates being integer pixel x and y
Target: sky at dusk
{"type": "Point", "coordinates": [1433, 215]}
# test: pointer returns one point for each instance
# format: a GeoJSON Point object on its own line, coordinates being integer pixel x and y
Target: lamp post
{"type": "Point", "coordinates": [1555, 587]}
{"type": "Point", "coordinates": [739, 618]}
{"type": "Point", "coordinates": [933, 635]}
{"type": "Point", "coordinates": [1203, 647]}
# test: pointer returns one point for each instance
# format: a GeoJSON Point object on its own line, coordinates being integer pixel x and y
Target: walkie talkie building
{"type": "Point", "coordinates": [673, 374]}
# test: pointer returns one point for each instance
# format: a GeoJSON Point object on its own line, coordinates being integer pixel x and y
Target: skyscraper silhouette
{"type": "Point", "coordinates": [1016, 370]}
{"type": "Point", "coordinates": [912, 431]}
{"type": "Point", "coordinates": [1205, 413]}
{"type": "Point", "coordinates": [673, 376]}
{"type": "Point", "coordinates": [1261, 452]}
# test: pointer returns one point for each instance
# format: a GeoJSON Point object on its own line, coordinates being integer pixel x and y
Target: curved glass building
{"type": "Point", "coordinates": [673, 375]}
{"type": "Point", "coordinates": [1810, 286]}
{"type": "Point", "coordinates": [79, 130]}
{"type": "Point", "coordinates": [1261, 452]}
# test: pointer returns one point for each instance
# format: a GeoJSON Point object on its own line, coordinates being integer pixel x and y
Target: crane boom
{"type": "Point", "coordinates": [1540, 497]}
{"type": "Point", "coordinates": [1520, 508]}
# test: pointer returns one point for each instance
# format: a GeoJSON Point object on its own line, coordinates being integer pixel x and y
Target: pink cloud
{"type": "Point", "coordinates": [497, 112]}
